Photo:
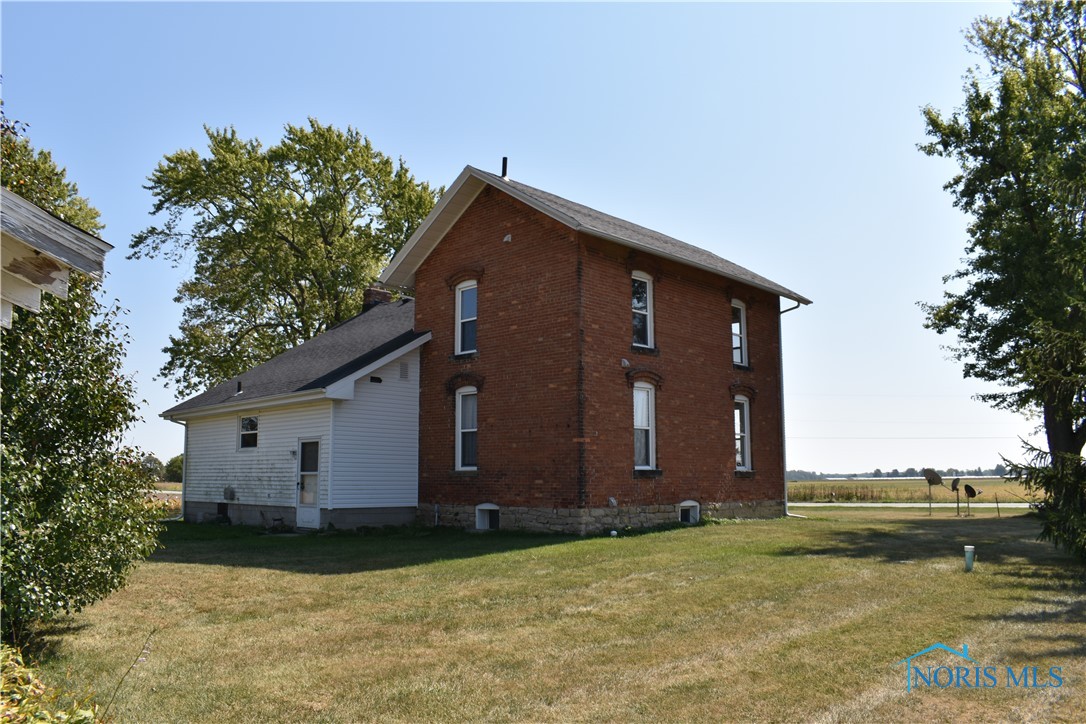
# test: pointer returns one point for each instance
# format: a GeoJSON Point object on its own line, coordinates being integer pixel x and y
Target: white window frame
{"type": "Point", "coordinates": [242, 432]}
{"type": "Point", "coordinates": [695, 511]}
{"type": "Point", "coordinates": [460, 319]}
{"type": "Point", "coordinates": [742, 433]}
{"type": "Point", "coordinates": [651, 391]}
{"type": "Point", "coordinates": [740, 354]}
{"type": "Point", "coordinates": [482, 516]}
{"type": "Point", "coordinates": [460, 429]}
{"type": "Point", "coordinates": [650, 322]}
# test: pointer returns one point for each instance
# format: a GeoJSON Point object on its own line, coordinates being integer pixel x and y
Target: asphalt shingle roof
{"type": "Point", "coordinates": [592, 221]}
{"type": "Point", "coordinates": [318, 362]}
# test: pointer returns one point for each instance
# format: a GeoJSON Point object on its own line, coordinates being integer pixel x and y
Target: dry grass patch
{"type": "Point", "coordinates": [902, 491]}
{"type": "Point", "coordinates": [769, 620]}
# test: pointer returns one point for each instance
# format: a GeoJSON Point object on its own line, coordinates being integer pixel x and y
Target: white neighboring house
{"type": "Point", "coordinates": [325, 433]}
{"type": "Point", "coordinates": [38, 253]}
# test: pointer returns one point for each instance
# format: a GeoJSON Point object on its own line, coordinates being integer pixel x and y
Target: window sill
{"type": "Point", "coordinates": [648, 473]}
{"type": "Point", "coordinates": [745, 368]}
{"type": "Point", "coordinates": [740, 474]}
{"type": "Point", "coordinates": [651, 351]}
{"type": "Point", "coordinates": [464, 356]}
{"type": "Point", "coordinates": [465, 473]}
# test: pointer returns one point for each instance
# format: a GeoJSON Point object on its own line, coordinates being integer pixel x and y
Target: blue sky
{"type": "Point", "coordinates": [780, 136]}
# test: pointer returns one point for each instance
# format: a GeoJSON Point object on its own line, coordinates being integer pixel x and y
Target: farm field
{"type": "Point", "coordinates": [881, 490]}
{"type": "Point", "coordinates": [788, 619]}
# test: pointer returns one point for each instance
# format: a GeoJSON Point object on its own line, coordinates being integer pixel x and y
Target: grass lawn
{"type": "Point", "coordinates": [878, 490]}
{"type": "Point", "coordinates": [766, 620]}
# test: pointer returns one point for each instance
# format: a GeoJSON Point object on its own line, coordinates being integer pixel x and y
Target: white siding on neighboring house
{"type": "Point", "coordinates": [375, 452]}
{"type": "Point", "coordinates": [265, 475]}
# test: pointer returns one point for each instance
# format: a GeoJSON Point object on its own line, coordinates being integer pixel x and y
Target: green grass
{"type": "Point", "coordinates": [901, 491]}
{"type": "Point", "coordinates": [763, 620]}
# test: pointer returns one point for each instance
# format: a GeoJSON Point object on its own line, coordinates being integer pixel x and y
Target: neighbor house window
{"type": "Point", "coordinates": [248, 429]}
{"type": "Point", "coordinates": [642, 310]}
{"type": "Point", "coordinates": [467, 313]}
{"type": "Point", "coordinates": [467, 428]}
{"type": "Point", "coordinates": [644, 426]}
{"type": "Point", "coordinates": [739, 333]}
{"type": "Point", "coordinates": [742, 433]}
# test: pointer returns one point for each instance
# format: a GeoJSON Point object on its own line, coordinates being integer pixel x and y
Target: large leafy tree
{"type": "Point", "coordinates": [283, 241]}
{"type": "Point", "coordinates": [1018, 306]}
{"type": "Point", "coordinates": [74, 513]}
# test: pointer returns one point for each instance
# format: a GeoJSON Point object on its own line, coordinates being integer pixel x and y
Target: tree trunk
{"type": "Point", "coordinates": [1062, 435]}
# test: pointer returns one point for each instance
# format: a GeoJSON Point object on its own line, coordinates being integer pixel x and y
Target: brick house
{"type": "Point", "coordinates": [558, 369]}
{"type": "Point", "coordinates": [586, 373]}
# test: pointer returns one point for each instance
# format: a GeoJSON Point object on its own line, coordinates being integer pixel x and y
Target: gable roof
{"type": "Point", "coordinates": [312, 369]}
{"type": "Point", "coordinates": [401, 270]}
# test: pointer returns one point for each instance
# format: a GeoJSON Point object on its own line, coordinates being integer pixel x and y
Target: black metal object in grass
{"type": "Point", "coordinates": [933, 479]}
{"type": "Point", "coordinates": [970, 493]}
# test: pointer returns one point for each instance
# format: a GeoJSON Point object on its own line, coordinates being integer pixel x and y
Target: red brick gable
{"type": "Point", "coordinates": [554, 366]}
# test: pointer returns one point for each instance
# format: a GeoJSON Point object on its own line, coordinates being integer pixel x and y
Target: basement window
{"type": "Point", "coordinates": [487, 517]}
{"type": "Point", "coordinates": [689, 512]}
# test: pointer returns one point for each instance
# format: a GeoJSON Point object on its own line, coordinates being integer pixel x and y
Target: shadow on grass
{"type": "Point", "coordinates": [336, 552]}
{"type": "Point", "coordinates": [996, 540]}
{"type": "Point", "coordinates": [1049, 583]}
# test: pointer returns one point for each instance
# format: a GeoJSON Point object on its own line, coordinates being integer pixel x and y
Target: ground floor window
{"type": "Point", "coordinates": [742, 433]}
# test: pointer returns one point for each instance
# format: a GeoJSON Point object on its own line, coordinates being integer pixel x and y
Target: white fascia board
{"type": "Point", "coordinates": [33, 266]}
{"type": "Point", "coordinates": [19, 292]}
{"type": "Point", "coordinates": [400, 272]}
{"type": "Point", "coordinates": [260, 403]}
{"type": "Point", "coordinates": [344, 389]}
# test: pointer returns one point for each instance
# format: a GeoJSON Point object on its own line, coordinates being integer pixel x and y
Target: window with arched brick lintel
{"type": "Point", "coordinates": [644, 374]}
{"type": "Point", "coordinates": [463, 379]}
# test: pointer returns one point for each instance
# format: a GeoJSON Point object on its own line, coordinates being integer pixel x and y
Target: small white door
{"type": "Point", "coordinates": [308, 512]}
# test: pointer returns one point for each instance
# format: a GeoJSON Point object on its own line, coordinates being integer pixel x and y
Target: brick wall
{"type": "Point", "coordinates": [692, 362]}
{"type": "Point", "coordinates": [545, 294]}
{"type": "Point", "coordinates": [526, 360]}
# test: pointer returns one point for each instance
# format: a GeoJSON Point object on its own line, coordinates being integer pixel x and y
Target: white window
{"type": "Point", "coordinates": [742, 433]}
{"type": "Point", "coordinates": [467, 313]}
{"type": "Point", "coordinates": [739, 333]}
{"type": "Point", "coordinates": [642, 310]}
{"type": "Point", "coordinates": [689, 512]}
{"type": "Point", "coordinates": [487, 517]}
{"type": "Point", "coordinates": [247, 430]}
{"type": "Point", "coordinates": [644, 426]}
{"type": "Point", "coordinates": [467, 428]}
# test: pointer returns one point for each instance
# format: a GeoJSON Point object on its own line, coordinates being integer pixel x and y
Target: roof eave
{"type": "Point", "coordinates": [223, 408]}
{"type": "Point", "coordinates": [397, 275]}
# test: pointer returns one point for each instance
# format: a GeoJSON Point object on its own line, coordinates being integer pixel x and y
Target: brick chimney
{"type": "Point", "coordinates": [374, 296]}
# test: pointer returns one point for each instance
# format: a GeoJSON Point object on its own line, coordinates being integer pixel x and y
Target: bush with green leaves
{"type": "Point", "coordinates": [1061, 480]}
{"type": "Point", "coordinates": [74, 508]}
{"type": "Point", "coordinates": [24, 697]}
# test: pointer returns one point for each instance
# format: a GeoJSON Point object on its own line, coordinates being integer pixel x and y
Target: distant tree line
{"type": "Point", "coordinates": [998, 470]}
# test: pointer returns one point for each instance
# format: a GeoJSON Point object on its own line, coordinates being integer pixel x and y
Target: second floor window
{"type": "Point", "coordinates": [642, 310]}
{"type": "Point", "coordinates": [467, 314]}
{"type": "Point", "coordinates": [248, 432]}
{"type": "Point", "coordinates": [739, 333]}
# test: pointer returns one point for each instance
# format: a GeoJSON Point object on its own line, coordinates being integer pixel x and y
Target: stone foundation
{"type": "Point", "coordinates": [583, 521]}
{"type": "Point", "coordinates": [266, 516]}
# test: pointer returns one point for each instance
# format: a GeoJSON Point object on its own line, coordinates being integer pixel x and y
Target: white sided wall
{"type": "Point", "coordinates": [266, 475]}
{"type": "Point", "coordinates": [375, 451]}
